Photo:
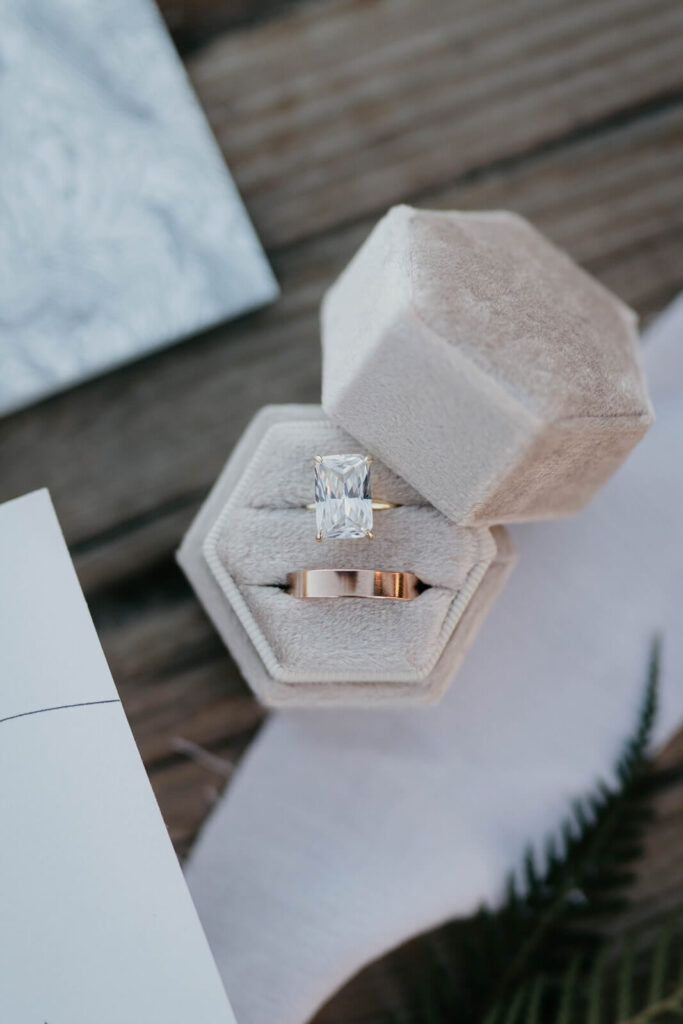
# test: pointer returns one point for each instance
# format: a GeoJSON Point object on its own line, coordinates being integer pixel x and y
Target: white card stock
{"type": "Point", "coordinates": [96, 923]}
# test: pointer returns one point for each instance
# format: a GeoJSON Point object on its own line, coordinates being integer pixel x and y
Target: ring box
{"type": "Point", "coordinates": [254, 529]}
{"type": "Point", "coordinates": [493, 381]}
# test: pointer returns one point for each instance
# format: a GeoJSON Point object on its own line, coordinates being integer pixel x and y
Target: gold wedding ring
{"type": "Point", "coordinates": [377, 506]}
{"type": "Point", "coordinates": [313, 583]}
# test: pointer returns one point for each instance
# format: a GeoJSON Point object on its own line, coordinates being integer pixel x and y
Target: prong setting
{"type": "Point", "coordinates": [343, 499]}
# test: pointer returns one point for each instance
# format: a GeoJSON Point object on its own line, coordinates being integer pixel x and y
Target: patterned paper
{"type": "Point", "coordinates": [120, 228]}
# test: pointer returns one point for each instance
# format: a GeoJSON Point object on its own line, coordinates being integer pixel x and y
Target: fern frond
{"type": "Point", "coordinates": [568, 994]}
{"type": "Point", "coordinates": [536, 1001]}
{"type": "Point", "coordinates": [596, 990]}
{"type": "Point", "coordinates": [658, 969]}
{"type": "Point", "coordinates": [606, 991]}
{"type": "Point", "coordinates": [510, 967]}
{"type": "Point", "coordinates": [626, 973]}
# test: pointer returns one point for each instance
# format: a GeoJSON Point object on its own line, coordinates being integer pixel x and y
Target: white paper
{"type": "Point", "coordinates": [96, 923]}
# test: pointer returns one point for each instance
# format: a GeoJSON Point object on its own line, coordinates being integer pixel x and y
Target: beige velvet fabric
{"type": "Point", "coordinates": [253, 530]}
{"type": "Point", "coordinates": [478, 361]}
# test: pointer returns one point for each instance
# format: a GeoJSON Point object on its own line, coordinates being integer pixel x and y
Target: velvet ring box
{"type": "Point", "coordinates": [493, 381]}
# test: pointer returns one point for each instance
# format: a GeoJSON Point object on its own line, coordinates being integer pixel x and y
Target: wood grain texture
{"type": "Point", "coordinates": [568, 111]}
{"type": "Point", "coordinates": [366, 104]}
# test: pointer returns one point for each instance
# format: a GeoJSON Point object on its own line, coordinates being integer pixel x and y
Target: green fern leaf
{"type": "Point", "coordinates": [511, 965]}
{"type": "Point", "coordinates": [626, 972]}
{"type": "Point", "coordinates": [568, 994]}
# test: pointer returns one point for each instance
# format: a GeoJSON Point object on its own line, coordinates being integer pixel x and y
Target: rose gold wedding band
{"type": "Point", "coordinates": [397, 586]}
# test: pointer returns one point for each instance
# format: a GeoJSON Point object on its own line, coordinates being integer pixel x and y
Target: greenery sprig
{"type": "Point", "coordinates": [544, 957]}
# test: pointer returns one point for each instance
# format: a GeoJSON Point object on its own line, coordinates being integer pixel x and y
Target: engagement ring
{"type": "Point", "coordinates": [343, 499]}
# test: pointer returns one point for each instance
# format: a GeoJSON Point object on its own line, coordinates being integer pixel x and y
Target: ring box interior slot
{"type": "Point", "coordinates": [493, 381]}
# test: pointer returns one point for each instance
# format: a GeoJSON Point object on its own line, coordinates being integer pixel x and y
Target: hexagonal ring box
{"type": "Point", "coordinates": [491, 380]}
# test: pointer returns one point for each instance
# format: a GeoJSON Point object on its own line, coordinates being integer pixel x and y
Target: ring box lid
{"type": "Point", "coordinates": [483, 365]}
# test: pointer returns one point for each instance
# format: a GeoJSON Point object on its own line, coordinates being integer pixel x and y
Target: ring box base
{"type": "Point", "coordinates": [363, 658]}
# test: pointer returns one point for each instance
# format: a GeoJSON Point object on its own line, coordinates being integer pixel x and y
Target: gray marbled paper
{"type": "Point", "coordinates": [120, 227]}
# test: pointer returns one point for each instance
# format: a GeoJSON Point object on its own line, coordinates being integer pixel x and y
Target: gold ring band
{"type": "Point", "coordinates": [396, 586]}
{"type": "Point", "coordinates": [377, 506]}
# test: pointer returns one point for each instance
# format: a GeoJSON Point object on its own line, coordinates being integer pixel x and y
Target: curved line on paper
{"type": "Point", "coordinates": [59, 707]}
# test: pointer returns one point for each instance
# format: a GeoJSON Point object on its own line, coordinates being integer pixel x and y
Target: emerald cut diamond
{"type": "Point", "coordinates": [343, 501]}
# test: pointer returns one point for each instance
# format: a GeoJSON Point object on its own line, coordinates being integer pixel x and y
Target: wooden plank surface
{"type": "Point", "coordinates": [365, 104]}
{"type": "Point", "coordinates": [569, 111]}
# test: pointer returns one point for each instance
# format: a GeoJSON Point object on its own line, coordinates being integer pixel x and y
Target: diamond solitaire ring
{"type": "Point", "coordinates": [343, 499]}
{"type": "Point", "coordinates": [396, 586]}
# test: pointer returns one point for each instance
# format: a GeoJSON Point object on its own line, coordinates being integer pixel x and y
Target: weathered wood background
{"type": "Point", "coordinates": [569, 111]}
